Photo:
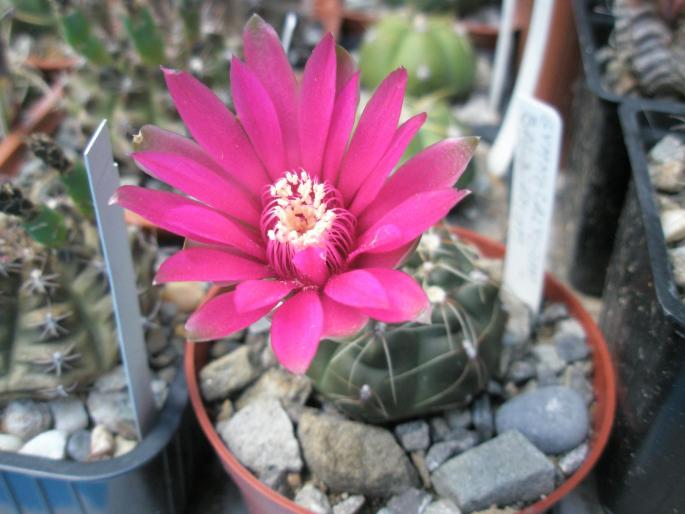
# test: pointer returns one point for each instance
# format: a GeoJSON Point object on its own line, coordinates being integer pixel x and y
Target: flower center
{"type": "Point", "coordinates": [300, 212]}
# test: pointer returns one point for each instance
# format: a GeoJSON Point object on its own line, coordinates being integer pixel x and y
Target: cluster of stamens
{"type": "Point", "coordinates": [301, 212]}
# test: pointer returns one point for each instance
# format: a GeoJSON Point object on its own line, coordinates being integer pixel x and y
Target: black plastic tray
{"type": "Point", "coordinates": [597, 153]}
{"type": "Point", "coordinates": [643, 320]}
{"type": "Point", "coordinates": [153, 478]}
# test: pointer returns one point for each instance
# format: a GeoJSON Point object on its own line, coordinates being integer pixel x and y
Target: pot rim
{"type": "Point", "coordinates": [604, 386]}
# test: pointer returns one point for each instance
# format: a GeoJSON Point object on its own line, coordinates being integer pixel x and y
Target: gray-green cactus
{"type": "Point", "coordinates": [57, 331]}
{"type": "Point", "coordinates": [389, 372]}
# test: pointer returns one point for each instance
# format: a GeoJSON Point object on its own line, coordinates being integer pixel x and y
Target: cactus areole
{"type": "Point", "coordinates": [302, 217]}
{"type": "Point", "coordinates": [437, 54]}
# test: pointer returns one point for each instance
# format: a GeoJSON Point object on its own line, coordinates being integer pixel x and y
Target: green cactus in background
{"type": "Point", "coordinates": [460, 7]}
{"type": "Point", "coordinates": [390, 372]}
{"type": "Point", "coordinates": [57, 330]}
{"type": "Point", "coordinates": [437, 56]}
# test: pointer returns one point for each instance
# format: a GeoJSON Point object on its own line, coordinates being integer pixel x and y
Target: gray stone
{"type": "Point", "coordinates": [123, 445]}
{"type": "Point", "coordinates": [49, 445]}
{"type": "Point", "coordinates": [553, 312]}
{"type": "Point", "coordinates": [223, 347]}
{"type": "Point", "coordinates": [167, 374]}
{"type": "Point", "coordinates": [230, 373]}
{"type": "Point", "coordinates": [483, 420]}
{"type": "Point", "coordinates": [442, 506]}
{"type": "Point", "coordinates": [114, 411]}
{"type": "Point", "coordinates": [26, 418]}
{"type": "Point", "coordinates": [439, 429]}
{"type": "Point", "coordinates": [414, 435]}
{"type": "Point", "coordinates": [570, 347]}
{"type": "Point", "coordinates": [160, 391]}
{"type": "Point", "coordinates": [351, 456]}
{"type": "Point", "coordinates": [351, 505]}
{"type": "Point", "coordinates": [411, 501]}
{"type": "Point", "coordinates": [78, 446]}
{"type": "Point", "coordinates": [260, 326]}
{"type": "Point", "coordinates": [114, 380]}
{"type": "Point", "coordinates": [311, 498]}
{"type": "Point", "coordinates": [506, 470]}
{"type": "Point", "coordinates": [101, 443]}
{"type": "Point", "coordinates": [555, 418]}
{"type": "Point", "coordinates": [571, 326]}
{"type": "Point", "coordinates": [279, 384]}
{"type": "Point", "coordinates": [168, 311]}
{"type": "Point", "coordinates": [69, 414]}
{"type": "Point", "coordinates": [458, 418]}
{"type": "Point", "coordinates": [545, 377]}
{"type": "Point", "coordinates": [520, 371]}
{"type": "Point", "coordinates": [548, 357]}
{"type": "Point", "coordinates": [668, 148]}
{"type": "Point", "coordinates": [276, 479]}
{"type": "Point", "coordinates": [261, 437]}
{"type": "Point", "coordinates": [442, 451]}
{"type": "Point", "coordinates": [165, 358]}
{"type": "Point", "coordinates": [494, 388]}
{"type": "Point", "coordinates": [10, 443]}
{"type": "Point", "coordinates": [569, 463]}
{"type": "Point", "coordinates": [575, 378]}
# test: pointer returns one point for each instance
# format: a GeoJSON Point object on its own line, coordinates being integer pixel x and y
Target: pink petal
{"type": "Point", "coordinates": [188, 218]}
{"type": "Point", "coordinates": [369, 190]}
{"type": "Point", "coordinates": [296, 329]}
{"type": "Point", "coordinates": [258, 115]}
{"type": "Point", "coordinates": [408, 301]}
{"type": "Point", "coordinates": [209, 265]}
{"type": "Point", "coordinates": [436, 167]}
{"type": "Point", "coordinates": [316, 104]}
{"type": "Point", "coordinates": [345, 68]}
{"type": "Point", "coordinates": [215, 128]}
{"type": "Point", "coordinates": [408, 220]}
{"type": "Point", "coordinates": [374, 132]}
{"type": "Point", "coordinates": [201, 182]}
{"type": "Point", "coordinates": [357, 288]}
{"type": "Point", "coordinates": [219, 318]}
{"type": "Point", "coordinates": [340, 320]}
{"type": "Point", "coordinates": [266, 58]}
{"type": "Point", "coordinates": [392, 259]}
{"type": "Point", "coordinates": [255, 294]}
{"type": "Point", "coordinates": [310, 264]}
{"type": "Point", "coordinates": [342, 121]}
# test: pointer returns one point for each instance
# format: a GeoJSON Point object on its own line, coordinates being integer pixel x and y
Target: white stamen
{"type": "Point", "coordinates": [302, 217]}
{"type": "Point", "coordinates": [430, 242]}
{"type": "Point", "coordinates": [436, 294]}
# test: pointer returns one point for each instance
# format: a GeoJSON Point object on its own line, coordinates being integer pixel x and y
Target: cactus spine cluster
{"type": "Point", "coordinates": [390, 372]}
{"type": "Point", "coordinates": [57, 332]}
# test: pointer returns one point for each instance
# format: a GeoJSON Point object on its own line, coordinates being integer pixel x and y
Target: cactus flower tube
{"type": "Point", "coordinates": [288, 204]}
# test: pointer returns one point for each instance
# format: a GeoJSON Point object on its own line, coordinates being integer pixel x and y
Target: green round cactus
{"type": "Point", "coordinates": [390, 372]}
{"type": "Point", "coordinates": [437, 56]}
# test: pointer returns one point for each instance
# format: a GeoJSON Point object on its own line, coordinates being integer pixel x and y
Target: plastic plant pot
{"type": "Point", "coordinates": [153, 478]}
{"type": "Point", "coordinates": [597, 153]}
{"type": "Point", "coordinates": [644, 319]}
{"type": "Point", "coordinates": [260, 499]}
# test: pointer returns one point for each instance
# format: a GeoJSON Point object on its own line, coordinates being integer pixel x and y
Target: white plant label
{"type": "Point", "coordinates": [532, 199]}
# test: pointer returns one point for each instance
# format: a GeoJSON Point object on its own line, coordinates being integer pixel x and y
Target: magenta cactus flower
{"type": "Point", "coordinates": [288, 203]}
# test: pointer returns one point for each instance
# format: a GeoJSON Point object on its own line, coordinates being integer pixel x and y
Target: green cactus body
{"type": "Point", "coordinates": [436, 55]}
{"type": "Point", "coordinates": [390, 372]}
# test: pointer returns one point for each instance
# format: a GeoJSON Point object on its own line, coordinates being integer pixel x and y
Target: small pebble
{"type": "Point", "coordinates": [123, 445]}
{"type": "Point", "coordinates": [276, 479]}
{"type": "Point", "coordinates": [483, 420]}
{"type": "Point", "coordinates": [187, 296]}
{"type": "Point", "coordinates": [569, 463]}
{"type": "Point", "coordinates": [439, 429]}
{"type": "Point", "coordinates": [520, 371]}
{"type": "Point", "coordinates": [458, 418]}
{"type": "Point", "coordinates": [167, 374]}
{"type": "Point", "coordinates": [548, 357]}
{"type": "Point", "coordinates": [69, 414]}
{"type": "Point", "coordinates": [221, 348]}
{"type": "Point", "coordinates": [78, 446]}
{"type": "Point", "coordinates": [101, 443]}
{"type": "Point", "coordinates": [351, 505]}
{"type": "Point", "coordinates": [442, 506]}
{"type": "Point", "coordinates": [165, 358]}
{"type": "Point", "coordinates": [677, 258]}
{"type": "Point", "coordinates": [26, 419]}
{"type": "Point", "coordinates": [413, 436]}
{"type": "Point", "coordinates": [570, 347]}
{"type": "Point", "coordinates": [160, 391]}
{"type": "Point", "coordinates": [440, 452]}
{"type": "Point", "coordinates": [226, 411]}
{"type": "Point", "coordinates": [50, 445]}
{"type": "Point", "coordinates": [156, 340]}
{"type": "Point", "coordinates": [310, 497]}
{"type": "Point", "coordinates": [411, 501]}
{"type": "Point", "coordinates": [112, 381]}
{"type": "Point", "coordinates": [554, 312]}
{"type": "Point", "coordinates": [10, 443]}
{"type": "Point", "coordinates": [419, 461]}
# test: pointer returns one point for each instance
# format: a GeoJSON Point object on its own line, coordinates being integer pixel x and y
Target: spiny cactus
{"type": "Point", "coordinates": [438, 57]}
{"type": "Point", "coordinates": [57, 331]}
{"type": "Point", "coordinates": [389, 372]}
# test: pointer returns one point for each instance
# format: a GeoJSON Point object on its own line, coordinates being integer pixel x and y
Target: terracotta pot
{"type": "Point", "coordinates": [42, 116]}
{"type": "Point", "coordinates": [260, 499]}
